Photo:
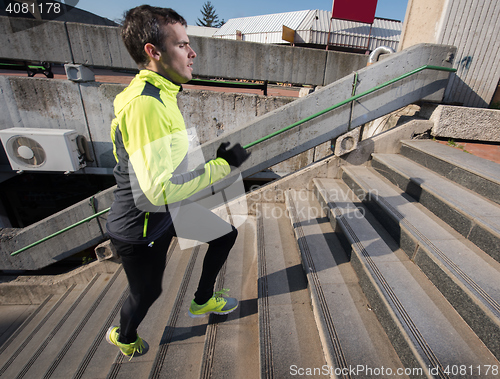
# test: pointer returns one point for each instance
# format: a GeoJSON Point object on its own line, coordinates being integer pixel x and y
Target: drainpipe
{"type": "Point", "coordinates": [375, 54]}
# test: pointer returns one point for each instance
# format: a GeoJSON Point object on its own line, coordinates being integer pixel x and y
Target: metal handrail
{"type": "Point", "coordinates": [61, 231]}
{"type": "Point", "coordinates": [352, 98]}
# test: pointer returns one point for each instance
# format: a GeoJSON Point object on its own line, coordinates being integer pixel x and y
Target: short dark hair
{"type": "Point", "coordinates": [142, 25]}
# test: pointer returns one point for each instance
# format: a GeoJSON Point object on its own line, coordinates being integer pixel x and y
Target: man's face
{"type": "Point", "coordinates": [177, 59]}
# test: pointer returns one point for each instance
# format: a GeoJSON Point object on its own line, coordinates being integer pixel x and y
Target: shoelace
{"type": "Point", "coordinates": [138, 346]}
{"type": "Point", "coordinates": [219, 295]}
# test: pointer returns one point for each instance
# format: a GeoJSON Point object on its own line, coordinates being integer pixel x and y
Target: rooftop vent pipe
{"type": "Point", "coordinates": [375, 54]}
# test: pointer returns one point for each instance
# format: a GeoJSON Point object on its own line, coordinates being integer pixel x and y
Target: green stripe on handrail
{"type": "Point", "coordinates": [61, 231]}
{"type": "Point", "coordinates": [353, 98]}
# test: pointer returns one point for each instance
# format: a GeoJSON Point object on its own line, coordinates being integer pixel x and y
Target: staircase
{"type": "Point", "coordinates": [388, 269]}
{"type": "Point", "coordinates": [419, 73]}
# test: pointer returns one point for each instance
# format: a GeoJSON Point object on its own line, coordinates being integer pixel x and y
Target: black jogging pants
{"type": "Point", "coordinates": [144, 265]}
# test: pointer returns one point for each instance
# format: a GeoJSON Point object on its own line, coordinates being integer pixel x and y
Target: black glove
{"type": "Point", "coordinates": [235, 156]}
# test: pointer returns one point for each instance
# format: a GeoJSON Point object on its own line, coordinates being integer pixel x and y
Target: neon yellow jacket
{"type": "Point", "coordinates": [150, 145]}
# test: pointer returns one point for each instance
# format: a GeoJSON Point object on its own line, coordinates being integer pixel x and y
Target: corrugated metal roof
{"type": "Point", "coordinates": [262, 24]}
{"type": "Point", "coordinates": [350, 33]}
{"type": "Point", "coordinates": [312, 27]}
{"type": "Point", "coordinates": [263, 29]}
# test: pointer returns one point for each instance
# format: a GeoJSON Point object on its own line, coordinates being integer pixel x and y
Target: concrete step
{"type": "Point", "coordinates": [218, 345]}
{"type": "Point", "coordinates": [477, 174]}
{"type": "Point", "coordinates": [231, 348]}
{"type": "Point", "coordinates": [109, 360]}
{"type": "Point", "coordinates": [22, 336]}
{"type": "Point", "coordinates": [473, 216]}
{"type": "Point", "coordinates": [426, 331]}
{"type": "Point", "coordinates": [83, 337]}
{"type": "Point", "coordinates": [19, 316]}
{"type": "Point", "coordinates": [350, 333]}
{"type": "Point", "coordinates": [289, 339]}
{"type": "Point", "coordinates": [467, 277]}
{"type": "Point", "coordinates": [33, 351]}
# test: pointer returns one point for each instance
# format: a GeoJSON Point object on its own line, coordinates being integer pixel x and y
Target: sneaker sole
{"type": "Point", "coordinates": [108, 333]}
{"type": "Point", "coordinates": [209, 313]}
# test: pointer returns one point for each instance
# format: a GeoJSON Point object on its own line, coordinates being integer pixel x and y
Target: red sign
{"type": "Point", "coordinates": [355, 10]}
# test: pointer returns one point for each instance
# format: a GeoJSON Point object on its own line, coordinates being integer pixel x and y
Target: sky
{"type": "Point", "coordinates": [227, 9]}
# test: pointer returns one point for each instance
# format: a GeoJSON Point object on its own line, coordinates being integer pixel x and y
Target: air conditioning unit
{"type": "Point", "coordinates": [31, 149]}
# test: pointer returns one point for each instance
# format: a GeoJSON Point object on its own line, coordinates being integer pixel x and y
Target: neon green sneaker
{"type": "Point", "coordinates": [137, 348]}
{"type": "Point", "coordinates": [217, 304]}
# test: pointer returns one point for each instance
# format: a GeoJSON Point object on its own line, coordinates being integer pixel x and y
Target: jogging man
{"type": "Point", "coordinates": [150, 144]}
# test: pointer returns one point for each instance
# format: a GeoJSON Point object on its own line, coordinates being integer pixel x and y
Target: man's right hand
{"type": "Point", "coordinates": [235, 156]}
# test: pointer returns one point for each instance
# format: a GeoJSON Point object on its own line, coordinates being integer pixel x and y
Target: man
{"type": "Point", "coordinates": [150, 145]}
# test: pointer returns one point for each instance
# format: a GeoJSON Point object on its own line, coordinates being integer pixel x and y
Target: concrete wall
{"type": "Point", "coordinates": [282, 64]}
{"type": "Point", "coordinates": [67, 42]}
{"type": "Point", "coordinates": [88, 109]}
{"type": "Point", "coordinates": [422, 20]}
{"type": "Point", "coordinates": [474, 28]}
{"type": "Point", "coordinates": [35, 40]}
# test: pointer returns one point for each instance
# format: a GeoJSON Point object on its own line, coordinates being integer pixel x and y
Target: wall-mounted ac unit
{"type": "Point", "coordinates": [31, 149]}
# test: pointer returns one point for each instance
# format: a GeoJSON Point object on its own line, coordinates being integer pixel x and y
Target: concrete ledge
{"type": "Point", "coordinates": [472, 124]}
{"type": "Point", "coordinates": [424, 86]}
{"type": "Point", "coordinates": [34, 289]}
{"type": "Point", "coordinates": [34, 40]}
{"type": "Point", "coordinates": [59, 247]}
{"type": "Point", "coordinates": [245, 60]}
{"type": "Point", "coordinates": [96, 45]}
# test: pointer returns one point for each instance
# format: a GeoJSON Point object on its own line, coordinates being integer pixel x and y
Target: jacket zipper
{"type": "Point", "coordinates": [145, 229]}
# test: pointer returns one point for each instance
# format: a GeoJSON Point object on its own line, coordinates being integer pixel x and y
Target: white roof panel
{"type": "Point", "coordinates": [312, 27]}
{"type": "Point", "coordinates": [262, 24]}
